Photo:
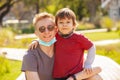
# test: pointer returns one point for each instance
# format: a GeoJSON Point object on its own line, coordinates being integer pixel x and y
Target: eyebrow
{"type": "Point", "coordinates": [48, 25]}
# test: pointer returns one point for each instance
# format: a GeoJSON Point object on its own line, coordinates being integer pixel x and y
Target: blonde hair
{"type": "Point", "coordinates": [42, 16]}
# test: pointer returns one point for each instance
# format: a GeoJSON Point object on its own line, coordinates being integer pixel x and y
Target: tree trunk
{"type": "Point", "coordinates": [92, 13]}
{"type": "Point", "coordinates": [37, 7]}
{"type": "Point", "coordinates": [4, 9]}
{"type": "Point", "coordinates": [92, 7]}
{"type": "Point", "coordinates": [1, 23]}
{"type": "Point", "coordinates": [4, 13]}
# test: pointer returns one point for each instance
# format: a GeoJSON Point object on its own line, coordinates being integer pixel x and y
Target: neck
{"type": "Point", "coordinates": [48, 50]}
{"type": "Point", "coordinates": [65, 35]}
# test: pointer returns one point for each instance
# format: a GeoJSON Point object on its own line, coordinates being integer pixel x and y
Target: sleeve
{"type": "Point", "coordinates": [85, 42]}
{"type": "Point", "coordinates": [29, 62]}
{"type": "Point", "coordinates": [90, 57]}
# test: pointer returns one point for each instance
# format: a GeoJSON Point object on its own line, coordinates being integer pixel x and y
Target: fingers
{"type": "Point", "coordinates": [88, 70]}
{"type": "Point", "coordinates": [36, 44]}
{"type": "Point", "coordinates": [69, 78]}
{"type": "Point", "coordinates": [33, 45]}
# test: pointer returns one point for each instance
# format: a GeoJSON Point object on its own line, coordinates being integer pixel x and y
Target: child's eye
{"type": "Point", "coordinates": [68, 21]}
{"type": "Point", "coordinates": [60, 22]}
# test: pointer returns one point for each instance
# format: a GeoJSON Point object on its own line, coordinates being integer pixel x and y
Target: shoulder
{"type": "Point", "coordinates": [81, 38]}
{"type": "Point", "coordinates": [78, 36]}
{"type": "Point", "coordinates": [31, 53]}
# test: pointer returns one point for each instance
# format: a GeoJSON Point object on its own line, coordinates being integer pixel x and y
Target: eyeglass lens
{"type": "Point", "coordinates": [43, 28]}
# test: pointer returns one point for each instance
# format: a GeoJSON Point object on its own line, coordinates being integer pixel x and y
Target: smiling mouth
{"type": "Point", "coordinates": [47, 36]}
{"type": "Point", "coordinates": [64, 28]}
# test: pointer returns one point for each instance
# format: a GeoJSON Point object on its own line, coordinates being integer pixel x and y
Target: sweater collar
{"type": "Point", "coordinates": [65, 35]}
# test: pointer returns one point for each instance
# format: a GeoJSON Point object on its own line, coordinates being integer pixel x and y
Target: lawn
{"type": "Point", "coordinates": [10, 69]}
{"type": "Point", "coordinates": [112, 51]}
{"type": "Point", "coordinates": [102, 35]}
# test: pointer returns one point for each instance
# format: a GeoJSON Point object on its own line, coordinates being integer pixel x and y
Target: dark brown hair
{"type": "Point", "coordinates": [65, 13]}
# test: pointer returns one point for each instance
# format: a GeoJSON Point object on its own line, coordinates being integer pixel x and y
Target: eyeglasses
{"type": "Point", "coordinates": [43, 28]}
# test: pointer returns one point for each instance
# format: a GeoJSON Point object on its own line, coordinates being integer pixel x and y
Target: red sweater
{"type": "Point", "coordinates": [69, 54]}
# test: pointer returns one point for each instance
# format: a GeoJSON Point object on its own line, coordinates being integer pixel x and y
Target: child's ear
{"type": "Point", "coordinates": [74, 26]}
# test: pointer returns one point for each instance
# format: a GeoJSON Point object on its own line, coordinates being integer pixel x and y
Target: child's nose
{"type": "Point", "coordinates": [64, 24]}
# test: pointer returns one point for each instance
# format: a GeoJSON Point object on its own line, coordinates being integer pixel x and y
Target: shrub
{"type": "Point", "coordinates": [118, 27]}
{"type": "Point", "coordinates": [112, 51]}
{"type": "Point", "coordinates": [6, 37]}
{"type": "Point", "coordinates": [4, 65]}
{"type": "Point", "coordinates": [12, 71]}
{"type": "Point", "coordinates": [28, 30]}
{"type": "Point", "coordinates": [106, 22]}
{"type": "Point", "coordinates": [84, 26]}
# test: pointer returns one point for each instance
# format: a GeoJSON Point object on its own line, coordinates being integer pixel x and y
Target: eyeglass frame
{"type": "Point", "coordinates": [49, 28]}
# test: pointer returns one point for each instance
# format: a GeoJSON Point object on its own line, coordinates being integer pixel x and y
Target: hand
{"type": "Point", "coordinates": [33, 45]}
{"type": "Point", "coordinates": [88, 70]}
{"type": "Point", "coordinates": [70, 78]}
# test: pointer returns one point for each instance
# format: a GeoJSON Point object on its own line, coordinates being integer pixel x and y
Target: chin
{"type": "Point", "coordinates": [48, 40]}
{"type": "Point", "coordinates": [65, 33]}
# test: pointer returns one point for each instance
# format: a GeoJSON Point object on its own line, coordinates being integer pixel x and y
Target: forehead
{"type": "Point", "coordinates": [65, 18]}
{"type": "Point", "coordinates": [45, 22]}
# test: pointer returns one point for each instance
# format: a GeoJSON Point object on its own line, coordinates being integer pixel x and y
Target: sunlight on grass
{"type": "Point", "coordinates": [102, 36]}
{"type": "Point", "coordinates": [10, 70]}
{"type": "Point", "coordinates": [112, 51]}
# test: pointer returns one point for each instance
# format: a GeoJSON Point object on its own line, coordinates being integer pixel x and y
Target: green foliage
{"type": "Point", "coordinates": [112, 51]}
{"type": "Point", "coordinates": [107, 22]}
{"type": "Point", "coordinates": [25, 42]}
{"type": "Point", "coordinates": [85, 26]}
{"type": "Point", "coordinates": [21, 43]}
{"type": "Point", "coordinates": [28, 30]}
{"type": "Point", "coordinates": [4, 65]}
{"type": "Point", "coordinates": [6, 37]}
{"type": "Point", "coordinates": [118, 27]}
{"type": "Point", "coordinates": [9, 69]}
{"type": "Point", "coordinates": [102, 35]}
{"type": "Point", "coordinates": [51, 9]}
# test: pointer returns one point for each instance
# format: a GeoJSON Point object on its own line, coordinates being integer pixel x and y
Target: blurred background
{"type": "Point", "coordinates": [99, 20]}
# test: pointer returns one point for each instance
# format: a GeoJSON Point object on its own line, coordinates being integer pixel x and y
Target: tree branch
{"type": "Point", "coordinates": [4, 5]}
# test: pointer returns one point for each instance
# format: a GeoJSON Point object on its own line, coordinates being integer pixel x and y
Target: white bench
{"type": "Point", "coordinates": [110, 69]}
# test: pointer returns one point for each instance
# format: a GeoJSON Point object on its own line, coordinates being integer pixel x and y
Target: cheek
{"type": "Point", "coordinates": [59, 25]}
{"type": "Point", "coordinates": [53, 33]}
{"type": "Point", "coordinates": [36, 33]}
{"type": "Point", "coordinates": [59, 28]}
{"type": "Point", "coordinates": [70, 24]}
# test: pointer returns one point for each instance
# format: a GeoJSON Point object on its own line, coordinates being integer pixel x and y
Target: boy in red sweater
{"type": "Point", "coordinates": [69, 50]}
{"type": "Point", "coordinates": [70, 47]}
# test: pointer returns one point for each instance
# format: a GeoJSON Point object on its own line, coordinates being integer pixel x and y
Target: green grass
{"type": "Point", "coordinates": [102, 36]}
{"type": "Point", "coordinates": [112, 51]}
{"type": "Point", "coordinates": [10, 69]}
